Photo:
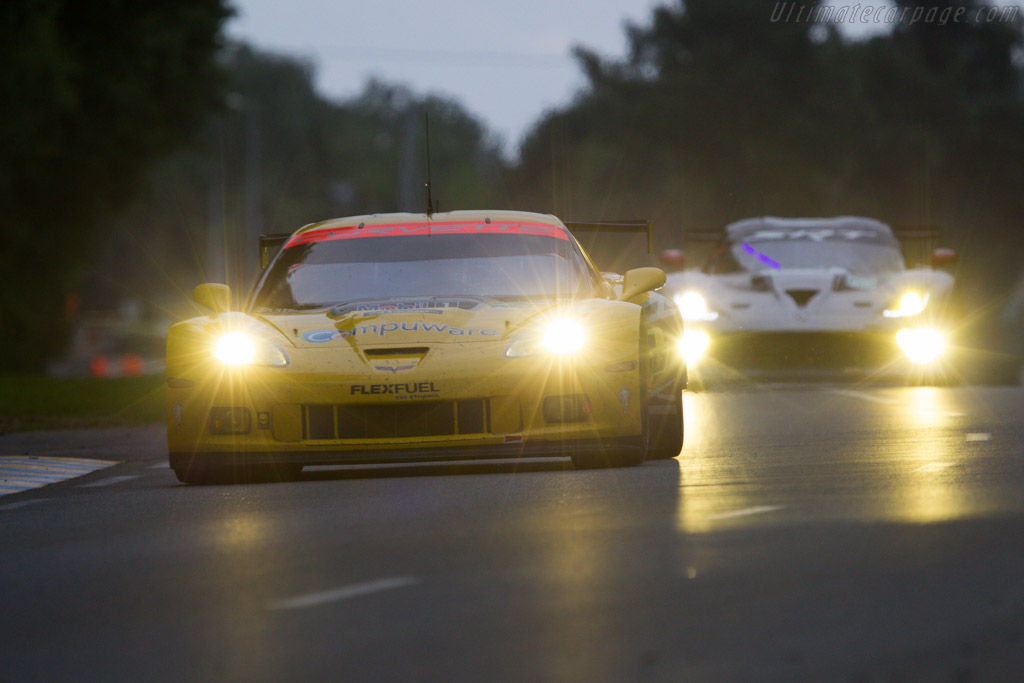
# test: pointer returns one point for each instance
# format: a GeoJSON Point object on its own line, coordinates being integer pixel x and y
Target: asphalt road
{"type": "Point", "coordinates": [807, 532]}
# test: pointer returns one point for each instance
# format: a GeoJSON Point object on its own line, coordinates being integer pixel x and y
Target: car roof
{"type": "Point", "coordinates": [740, 229]}
{"type": "Point", "coordinates": [447, 216]}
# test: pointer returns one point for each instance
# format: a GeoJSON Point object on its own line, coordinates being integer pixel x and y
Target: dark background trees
{"type": "Point", "coordinates": [93, 93]}
{"type": "Point", "coordinates": [142, 156]}
{"type": "Point", "coordinates": [718, 113]}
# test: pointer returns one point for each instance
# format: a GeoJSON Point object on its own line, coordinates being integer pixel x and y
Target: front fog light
{"type": "Point", "coordinates": [693, 345]}
{"type": "Point", "coordinates": [921, 346]}
{"type": "Point", "coordinates": [563, 337]}
{"type": "Point", "coordinates": [229, 420]}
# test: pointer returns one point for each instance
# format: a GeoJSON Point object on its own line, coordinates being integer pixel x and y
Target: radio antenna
{"type": "Point", "coordinates": [430, 199]}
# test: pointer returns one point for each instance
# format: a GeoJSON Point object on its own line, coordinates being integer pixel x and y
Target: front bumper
{"type": "Point", "coordinates": [533, 449]}
{"type": "Point", "coordinates": [460, 402]}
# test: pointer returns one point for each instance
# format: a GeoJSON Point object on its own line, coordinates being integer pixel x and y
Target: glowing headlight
{"type": "Point", "coordinates": [693, 306]}
{"type": "Point", "coordinates": [909, 304]}
{"type": "Point", "coordinates": [921, 346]}
{"type": "Point", "coordinates": [238, 348]}
{"type": "Point", "coordinates": [693, 345]}
{"type": "Point", "coordinates": [563, 337]}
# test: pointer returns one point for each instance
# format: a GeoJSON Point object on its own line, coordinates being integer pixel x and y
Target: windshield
{"type": "Point", "coordinates": [861, 257]}
{"type": "Point", "coordinates": [324, 273]}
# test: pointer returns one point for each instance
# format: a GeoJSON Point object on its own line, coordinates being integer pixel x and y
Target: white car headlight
{"type": "Point", "coordinates": [693, 345]}
{"type": "Point", "coordinates": [563, 336]}
{"type": "Point", "coordinates": [921, 346]}
{"type": "Point", "coordinates": [239, 348]}
{"type": "Point", "coordinates": [693, 306]}
{"type": "Point", "coordinates": [910, 303]}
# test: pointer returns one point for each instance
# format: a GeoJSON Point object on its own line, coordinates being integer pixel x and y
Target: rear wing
{"type": "Point", "coordinates": [917, 232]}
{"type": "Point", "coordinates": [631, 226]}
{"type": "Point", "coordinates": [271, 241]}
{"type": "Point", "coordinates": [703, 236]}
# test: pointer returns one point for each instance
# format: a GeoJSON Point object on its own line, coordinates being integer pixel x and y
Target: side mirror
{"type": "Point", "coordinates": [673, 258]}
{"type": "Point", "coordinates": [640, 280]}
{"type": "Point", "coordinates": [943, 257]}
{"type": "Point", "coordinates": [214, 296]}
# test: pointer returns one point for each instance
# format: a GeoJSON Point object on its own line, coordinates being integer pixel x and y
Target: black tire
{"type": "Point", "coordinates": [600, 459]}
{"type": "Point", "coordinates": [666, 432]}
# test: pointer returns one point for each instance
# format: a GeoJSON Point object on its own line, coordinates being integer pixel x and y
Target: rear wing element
{"type": "Point", "coordinates": [703, 236]}
{"type": "Point", "coordinates": [271, 241]}
{"type": "Point", "coordinates": [615, 226]}
{"type": "Point", "coordinates": [917, 232]}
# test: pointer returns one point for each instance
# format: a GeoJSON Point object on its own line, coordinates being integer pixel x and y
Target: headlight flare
{"type": "Point", "coordinates": [235, 348]}
{"type": "Point", "coordinates": [238, 348]}
{"type": "Point", "coordinates": [910, 303]}
{"type": "Point", "coordinates": [922, 345]}
{"type": "Point", "coordinates": [693, 345]}
{"type": "Point", "coordinates": [564, 336]}
{"type": "Point", "coordinates": [693, 306]}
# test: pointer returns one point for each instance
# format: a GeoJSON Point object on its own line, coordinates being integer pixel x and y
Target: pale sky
{"type": "Point", "coordinates": [506, 63]}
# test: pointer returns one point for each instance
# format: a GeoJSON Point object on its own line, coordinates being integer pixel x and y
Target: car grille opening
{"type": "Point", "coordinates": [801, 296]}
{"type": "Point", "coordinates": [388, 421]}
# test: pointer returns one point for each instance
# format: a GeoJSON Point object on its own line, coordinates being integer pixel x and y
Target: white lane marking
{"type": "Point", "coordinates": [864, 397]}
{"type": "Point", "coordinates": [24, 503]}
{"type": "Point", "coordinates": [934, 467]}
{"type": "Point", "coordinates": [160, 466]}
{"type": "Point", "coordinates": [108, 481]}
{"type": "Point", "coordinates": [343, 593]}
{"type": "Point", "coordinates": [978, 436]}
{"type": "Point", "coordinates": [746, 512]}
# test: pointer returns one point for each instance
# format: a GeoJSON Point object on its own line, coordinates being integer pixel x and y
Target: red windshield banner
{"type": "Point", "coordinates": [349, 232]}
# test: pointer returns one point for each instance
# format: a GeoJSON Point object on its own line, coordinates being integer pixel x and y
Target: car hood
{"type": "Point", "coordinates": [430, 321]}
{"type": "Point", "coordinates": [829, 299]}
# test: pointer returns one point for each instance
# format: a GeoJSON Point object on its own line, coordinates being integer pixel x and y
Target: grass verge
{"type": "Point", "coordinates": [29, 403]}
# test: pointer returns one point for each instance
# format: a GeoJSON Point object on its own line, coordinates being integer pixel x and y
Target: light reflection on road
{"type": "Point", "coordinates": [912, 470]}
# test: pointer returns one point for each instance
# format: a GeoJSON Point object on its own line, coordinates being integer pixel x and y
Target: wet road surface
{"type": "Point", "coordinates": [809, 532]}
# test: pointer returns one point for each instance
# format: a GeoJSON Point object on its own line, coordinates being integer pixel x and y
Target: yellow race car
{"type": "Point", "coordinates": [416, 337]}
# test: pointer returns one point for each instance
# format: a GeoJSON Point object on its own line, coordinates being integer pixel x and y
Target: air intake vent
{"type": "Point", "coordinates": [395, 420]}
{"type": "Point", "coordinates": [410, 351]}
{"type": "Point", "coordinates": [801, 296]}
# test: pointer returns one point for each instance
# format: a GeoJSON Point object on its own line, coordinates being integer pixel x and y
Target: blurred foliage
{"type": "Point", "coordinates": [278, 157]}
{"type": "Point", "coordinates": [718, 113]}
{"type": "Point", "coordinates": [93, 92]}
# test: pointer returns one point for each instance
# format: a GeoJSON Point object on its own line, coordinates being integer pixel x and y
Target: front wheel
{"type": "Point", "coordinates": [666, 429]}
{"type": "Point", "coordinates": [598, 459]}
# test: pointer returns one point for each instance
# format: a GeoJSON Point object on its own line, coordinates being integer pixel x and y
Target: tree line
{"type": "Point", "coordinates": [137, 152]}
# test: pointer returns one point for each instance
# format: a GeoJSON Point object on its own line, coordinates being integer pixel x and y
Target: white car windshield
{"type": "Point", "coordinates": [322, 274]}
{"type": "Point", "coordinates": [859, 258]}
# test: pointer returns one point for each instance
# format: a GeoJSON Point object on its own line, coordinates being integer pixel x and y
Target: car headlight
{"type": "Point", "coordinates": [693, 306]}
{"type": "Point", "coordinates": [921, 346]}
{"type": "Point", "coordinates": [910, 303]}
{"type": "Point", "coordinates": [239, 348]}
{"type": "Point", "coordinates": [693, 345]}
{"type": "Point", "coordinates": [563, 336]}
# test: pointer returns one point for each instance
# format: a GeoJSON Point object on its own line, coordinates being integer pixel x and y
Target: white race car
{"type": "Point", "coordinates": [810, 294]}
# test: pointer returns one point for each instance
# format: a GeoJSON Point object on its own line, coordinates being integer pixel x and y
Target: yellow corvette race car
{"type": "Point", "coordinates": [415, 337]}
